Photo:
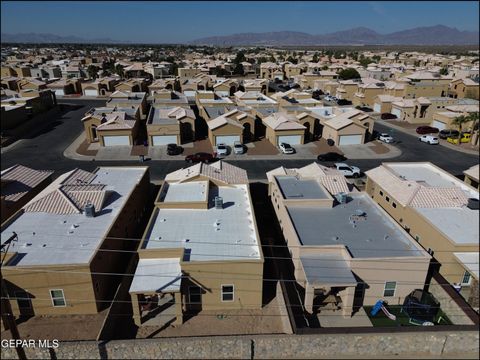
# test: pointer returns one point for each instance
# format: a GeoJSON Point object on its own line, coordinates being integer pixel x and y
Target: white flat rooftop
{"type": "Point", "coordinates": [209, 234]}
{"type": "Point", "coordinates": [157, 275]}
{"type": "Point", "coordinates": [469, 260]}
{"type": "Point", "coordinates": [185, 192]}
{"type": "Point", "coordinates": [459, 224]}
{"type": "Point", "coordinates": [51, 239]}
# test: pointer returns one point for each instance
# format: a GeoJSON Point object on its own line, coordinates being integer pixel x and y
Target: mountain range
{"type": "Point", "coordinates": [432, 35]}
{"type": "Point", "coordinates": [37, 38]}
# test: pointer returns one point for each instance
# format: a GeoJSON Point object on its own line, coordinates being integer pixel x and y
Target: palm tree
{"type": "Point", "coordinates": [474, 117]}
{"type": "Point", "coordinates": [459, 121]}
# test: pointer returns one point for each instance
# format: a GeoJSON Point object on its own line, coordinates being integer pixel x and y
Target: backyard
{"type": "Point", "coordinates": [381, 320]}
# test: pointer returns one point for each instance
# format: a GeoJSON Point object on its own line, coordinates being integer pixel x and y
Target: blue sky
{"type": "Point", "coordinates": [170, 22]}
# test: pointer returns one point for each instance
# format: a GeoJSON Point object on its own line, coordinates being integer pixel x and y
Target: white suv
{"type": "Point", "coordinates": [222, 150]}
{"type": "Point", "coordinates": [429, 139]}
{"type": "Point", "coordinates": [238, 147]}
{"type": "Point", "coordinates": [347, 170]}
{"type": "Point", "coordinates": [286, 148]}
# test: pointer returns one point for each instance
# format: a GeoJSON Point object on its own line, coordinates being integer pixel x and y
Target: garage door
{"type": "Point", "coordinates": [397, 113]}
{"type": "Point", "coordinates": [439, 125]}
{"type": "Point", "coordinates": [91, 92]}
{"type": "Point", "coordinates": [350, 140]}
{"type": "Point", "coordinates": [290, 139]}
{"type": "Point", "coordinates": [59, 92]}
{"type": "Point", "coordinates": [377, 107]}
{"type": "Point", "coordinates": [164, 140]}
{"type": "Point", "coordinates": [227, 139]}
{"type": "Point", "coordinates": [116, 140]}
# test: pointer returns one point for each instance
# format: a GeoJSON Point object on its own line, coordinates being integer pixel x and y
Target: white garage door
{"type": "Point", "coordinates": [59, 92]}
{"type": "Point", "coordinates": [91, 92]}
{"type": "Point", "coordinates": [397, 113]}
{"type": "Point", "coordinates": [439, 125]}
{"type": "Point", "coordinates": [350, 140]}
{"type": "Point", "coordinates": [164, 139]}
{"type": "Point", "coordinates": [290, 139]}
{"type": "Point", "coordinates": [227, 139]}
{"type": "Point", "coordinates": [377, 107]}
{"type": "Point", "coordinates": [116, 140]}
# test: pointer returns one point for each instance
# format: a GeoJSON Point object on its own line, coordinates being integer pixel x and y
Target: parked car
{"type": "Point", "coordinates": [286, 148]}
{"type": "Point", "coordinates": [200, 157]}
{"type": "Point", "coordinates": [446, 133]}
{"type": "Point", "coordinates": [385, 138]}
{"type": "Point", "coordinates": [174, 149]}
{"type": "Point", "coordinates": [388, 116]}
{"type": "Point", "coordinates": [466, 137]}
{"type": "Point", "coordinates": [429, 139]}
{"type": "Point", "coordinates": [331, 156]}
{"type": "Point", "coordinates": [347, 170]}
{"type": "Point", "coordinates": [363, 108]}
{"type": "Point", "coordinates": [342, 102]}
{"type": "Point", "coordinates": [238, 147]}
{"type": "Point", "coordinates": [222, 149]}
{"type": "Point", "coordinates": [426, 130]}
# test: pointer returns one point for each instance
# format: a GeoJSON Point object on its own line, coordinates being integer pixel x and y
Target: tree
{"type": "Point", "coordinates": [239, 58]}
{"type": "Point", "coordinates": [325, 67]}
{"type": "Point", "coordinates": [365, 61]}
{"type": "Point", "coordinates": [92, 71]}
{"type": "Point", "coordinates": [238, 70]}
{"type": "Point", "coordinates": [292, 60]}
{"type": "Point", "coordinates": [444, 71]}
{"type": "Point", "coordinates": [315, 58]}
{"type": "Point", "coordinates": [119, 70]}
{"type": "Point", "coordinates": [349, 73]}
{"type": "Point", "coordinates": [474, 117]}
{"type": "Point", "coordinates": [459, 121]}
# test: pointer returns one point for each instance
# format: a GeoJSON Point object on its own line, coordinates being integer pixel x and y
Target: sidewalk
{"type": "Point", "coordinates": [411, 131]}
{"type": "Point", "coordinates": [310, 151]}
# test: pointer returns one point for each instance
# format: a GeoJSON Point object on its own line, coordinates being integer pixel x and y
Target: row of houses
{"type": "Point", "coordinates": [68, 255]}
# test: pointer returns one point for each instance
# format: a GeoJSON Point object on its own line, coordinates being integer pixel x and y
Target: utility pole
{"type": "Point", "coordinates": [7, 313]}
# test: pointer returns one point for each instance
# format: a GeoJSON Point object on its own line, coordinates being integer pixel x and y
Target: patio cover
{"type": "Point", "coordinates": [327, 269]}
{"type": "Point", "coordinates": [157, 275]}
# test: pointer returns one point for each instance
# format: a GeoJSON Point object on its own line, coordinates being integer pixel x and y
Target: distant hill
{"type": "Point", "coordinates": [34, 38]}
{"type": "Point", "coordinates": [433, 35]}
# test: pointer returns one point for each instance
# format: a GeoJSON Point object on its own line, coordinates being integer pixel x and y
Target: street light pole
{"type": "Point", "coordinates": [7, 313]}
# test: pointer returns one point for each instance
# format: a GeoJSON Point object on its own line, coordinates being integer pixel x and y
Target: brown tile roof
{"type": "Point", "coordinates": [19, 180]}
{"type": "Point", "coordinates": [219, 170]}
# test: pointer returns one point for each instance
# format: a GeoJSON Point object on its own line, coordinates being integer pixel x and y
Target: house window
{"type": "Point", "coordinates": [390, 287]}
{"type": "Point", "coordinates": [381, 193]}
{"type": "Point", "coordinates": [466, 278]}
{"type": "Point", "coordinates": [417, 237]}
{"type": "Point", "coordinates": [387, 198]}
{"type": "Point", "coordinates": [194, 295]}
{"type": "Point", "coordinates": [58, 298]}
{"type": "Point", "coordinates": [394, 205]}
{"type": "Point", "coordinates": [227, 292]}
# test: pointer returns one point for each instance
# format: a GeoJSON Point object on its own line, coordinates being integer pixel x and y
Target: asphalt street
{"type": "Point", "coordinates": [44, 150]}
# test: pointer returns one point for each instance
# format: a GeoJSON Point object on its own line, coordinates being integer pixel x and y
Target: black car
{"type": "Point", "coordinates": [388, 116]}
{"type": "Point", "coordinates": [443, 134]}
{"type": "Point", "coordinates": [174, 149]}
{"type": "Point", "coordinates": [331, 156]}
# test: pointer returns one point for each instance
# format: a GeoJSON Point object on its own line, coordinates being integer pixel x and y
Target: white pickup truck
{"type": "Point", "coordinates": [347, 170]}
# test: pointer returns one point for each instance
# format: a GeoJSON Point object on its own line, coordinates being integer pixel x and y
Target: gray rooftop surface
{"type": "Point", "coordinates": [214, 111]}
{"type": "Point", "coordinates": [155, 119]}
{"type": "Point", "coordinates": [235, 239]}
{"type": "Point", "coordinates": [377, 236]}
{"type": "Point", "coordinates": [327, 268]}
{"type": "Point", "coordinates": [293, 188]}
{"type": "Point", "coordinates": [185, 192]}
{"type": "Point", "coordinates": [45, 239]}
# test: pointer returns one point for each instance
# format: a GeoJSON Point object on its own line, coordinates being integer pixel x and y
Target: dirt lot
{"type": "Point", "coordinates": [63, 328]}
{"type": "Point", "coordinates": [262, 321]}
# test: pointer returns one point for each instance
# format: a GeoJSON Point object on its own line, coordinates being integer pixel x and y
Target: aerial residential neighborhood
{"type": "Point", "coordinates": [224, 188]}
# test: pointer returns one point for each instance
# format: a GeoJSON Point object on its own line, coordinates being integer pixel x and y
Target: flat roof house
{"type": "Point", "coordinates": [19, 184]}
{"type": "Point", "coordinates": [201, 249]}
{"type": "Point", "coordinates": [67, 241]}
{"type": "Point", "coordinates": [170, 125]}
{"type": "Point", "coordinates": [129, 99]}
{"type": "Point", "coordinates": [438, 211]}
{"type": "Point", "coordinates": [472, 176]}
{"type": "Point", "coordinates": [345, 248]}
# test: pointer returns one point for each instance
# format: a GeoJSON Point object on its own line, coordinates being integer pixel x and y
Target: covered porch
{"type": "Point", "coordinates": [329, 284]}
{"type": "Point", "coordinates": [155, 292]}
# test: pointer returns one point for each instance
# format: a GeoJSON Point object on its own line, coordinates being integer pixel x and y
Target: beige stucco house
{"type": "Point", "coordinates": [170, 125]}
{"type": "Point", "coordinates": [346, 250]}
{"type": "Point", "coordinates": [203, 224]}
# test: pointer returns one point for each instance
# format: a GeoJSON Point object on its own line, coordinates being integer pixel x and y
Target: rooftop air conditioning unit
{"type": "Point", "coordinates": [473, 204]}
{"type": "Point", "coordinates": [218, 202]}
{"type": "Point", "coordinates": [89, 210]}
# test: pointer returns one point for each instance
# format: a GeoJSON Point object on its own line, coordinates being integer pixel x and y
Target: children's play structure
{"type": "Point", "coordinates": [381, 305]}
{"type": "Point", "coordinates": [421, 307]}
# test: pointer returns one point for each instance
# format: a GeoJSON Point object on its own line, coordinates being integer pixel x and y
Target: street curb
{"type": "Point", "coordinates": [71, 151]}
